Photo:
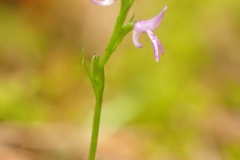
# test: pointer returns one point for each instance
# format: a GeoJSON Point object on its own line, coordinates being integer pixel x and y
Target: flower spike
{"type": "Point", "coordinates": [103, 3]}
{"type": "Point", "coordinates": [149, 26]}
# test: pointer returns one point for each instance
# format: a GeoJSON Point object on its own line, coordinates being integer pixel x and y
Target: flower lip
{"type": "Point", "coordinates": [103, 3]}
{"type": "Point", "coordinates": [149, 26]}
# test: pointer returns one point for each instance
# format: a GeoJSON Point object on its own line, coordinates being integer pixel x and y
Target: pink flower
{"type": "Point", "coordinates": [103, 3]}
{"type": "Point", "coordinates": [149, 26]}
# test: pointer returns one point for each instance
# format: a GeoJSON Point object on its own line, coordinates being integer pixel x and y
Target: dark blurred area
{"type": "Point", "coordinates": [185, 107]}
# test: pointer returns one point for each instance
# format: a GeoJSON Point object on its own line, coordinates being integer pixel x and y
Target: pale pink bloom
{"type": "Point", "coordinates": [103, 2]}
{"type": "Point", "coordinates": [149, 26]}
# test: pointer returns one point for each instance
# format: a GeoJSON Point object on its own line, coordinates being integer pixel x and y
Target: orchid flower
{"type": "Point", "coordinates": [103, 3]}
{"type": "Point", "coordinates": [149, 26]}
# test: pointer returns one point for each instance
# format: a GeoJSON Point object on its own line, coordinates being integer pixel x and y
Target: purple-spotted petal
{"type": "Point", "coordinates": [135, 39]}
{"type": "Point", "coordinates": [104, 2]}
{"type": "Point", "coordinates": [156, 43]}
{"type": "Point", "coordinates": [159, 45]}
{"type": "Point", "coordinates": [149, 26]}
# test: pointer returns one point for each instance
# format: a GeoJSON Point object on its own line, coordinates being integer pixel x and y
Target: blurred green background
{"type": "Point", "coordinates": [185, 107]}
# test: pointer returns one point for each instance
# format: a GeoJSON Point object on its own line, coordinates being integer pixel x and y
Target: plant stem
{"type": "Point", "coordinates": [98, 78]}
{"type": "Point", "coordinates": [117, 31]}
{"type": "Point", "coordinates": [98, 90]}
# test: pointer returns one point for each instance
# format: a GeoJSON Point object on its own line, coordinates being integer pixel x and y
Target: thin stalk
{"type": "Point", "coordinates": [95, 127]}
{"type": "Point", "coordinates": [98, 79]}
{"type": "Point", "coordinates": [125, 6]}
{"type": "Point", "coordinates": [98, 90]}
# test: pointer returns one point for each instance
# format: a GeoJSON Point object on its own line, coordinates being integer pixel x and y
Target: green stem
{"type": "Point", "coordinates": [98, 78]}
{"type": "Point", "coordinates": [117, 31]}
{"type": "Point", "coordinates": [95, 128]}
{"type": "Point", "coordinates": [98, 90]}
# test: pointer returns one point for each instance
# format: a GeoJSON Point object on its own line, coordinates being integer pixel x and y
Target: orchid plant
{"type": "Point", "coordinates": [96, 74]}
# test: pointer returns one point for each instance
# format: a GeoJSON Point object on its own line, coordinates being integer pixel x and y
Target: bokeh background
{"type": "Point", "coordinates": [185, 107]}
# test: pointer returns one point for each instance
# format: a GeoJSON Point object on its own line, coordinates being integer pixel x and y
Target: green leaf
{"type": "Point", "coordinates": [95, 66]}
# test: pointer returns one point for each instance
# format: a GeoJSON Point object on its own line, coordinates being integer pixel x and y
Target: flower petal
{"type": "Point", "coordinates": [150, 24]}
{"type": "Point", "coordinates": [103, 3]}
{"type": "Point", "coordinates": [159, 45]}
{"type": "Point", "coordinates": [135, 39]}
{"type": "Point", "coordinates": [155, 42]}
